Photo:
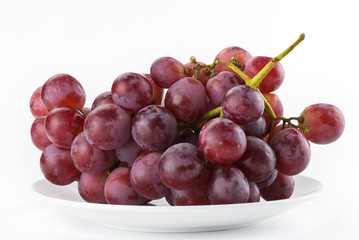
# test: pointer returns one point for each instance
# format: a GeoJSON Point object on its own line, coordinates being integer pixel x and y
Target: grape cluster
{"type": "Point", "coordinates": [195, 134]}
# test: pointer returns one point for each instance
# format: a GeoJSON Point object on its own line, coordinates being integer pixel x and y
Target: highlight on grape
{"type": "Point", "coordinates": [217, 135]}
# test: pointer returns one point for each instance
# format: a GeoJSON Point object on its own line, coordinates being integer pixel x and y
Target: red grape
{"type": "Point", "coordinates": [272, 81]}
{"type": "Point", "coordinates": [325, 123]}
{"type": "Point", "coordinates": [92, 187]}
{"type": "Point", "coordinates": [102, 99]}
{"type": "Point", "coordinates": [128, 152]}
{"type": "Point", "coordinates": [227, 185]}
{"type": "Point", "coordinates": [276, 105]}
{"type": "Point", "coordinates": [165, 71]}
{"type": "Point", "coordinates": [218, 86]}
{"type": "Point", "coordinates": [254, 194]}
{"type": "Point", "coordinates": [88, 158]}
{"type": "Point", "coordinates": [268, 181]}
{"type": "Point", "coordinates": [108, 127]}
{"type": "Point", "coordinates": [281, 188]}
{"type": "Point", "coordinates": [157, 91]}
{"type": "Point", "coordinates": [292, 151]}
{"type": "Point", "coordinates": [243, 105]}
{"type": "Point", "coordinates": [181, 165]}
{"type": "Point", "coordinates": [203, 75]}
{"type": "Point", "coordinates": [145, 178]}
{"type": "Point", "coordinates": [257, 129]}
{"type": "Point", "coordinates": [226, 54]}
{"type": "Point", "coordinates": [63, 124]}
{"type": "Point", "coordinates": [63, 90]}
{"type": "Point", "coordinates": [57, 166]}
{"type": "Point", "coordinates": [37, 108]}
{"type": "Point", "coordinates": [38, 134]}
{"type": "Point", "coordinates": [118, 188]}
{"type": "Point", "coordinates": [258, 161]}
{"type": "Point", "coordinates": [186, 99]}
{"type": "Point", "coordinates": [222, 141]}
{"type": "Point", "coordinates": [154, 128]}
{"type": "Point", "coordinates": [132, 91]}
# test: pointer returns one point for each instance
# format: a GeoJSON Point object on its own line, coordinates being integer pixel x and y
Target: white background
{"type": "Point", "coordinates": [95, 41]}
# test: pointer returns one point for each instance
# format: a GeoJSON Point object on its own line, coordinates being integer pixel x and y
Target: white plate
{"type": "Point", "coordinates": [165, 218]}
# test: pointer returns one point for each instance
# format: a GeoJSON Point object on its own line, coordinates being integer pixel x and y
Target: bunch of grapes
{"type": "Point", "coordinates": [195, 134]}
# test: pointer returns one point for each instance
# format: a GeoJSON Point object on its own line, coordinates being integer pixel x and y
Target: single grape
{"type": "Point", "coordinates": [281, 188]}
{"type": "Point", "coordinates": [226, 55]}
{"type": "Point", "coordinates": [254, 194]}
{"type": "Point", "coordinates": [218, 86]}
{"type": "Point", "coordinates": [194, 195]}
{"type": "Point", "coordinates": [157, 91]}
{"type": "Point", "coordinates": [92, 187]}
{"type": "Point", "coordinates": [128, 152]}
{"type": "Point", "coordinates": [38, 134]}
{"type": "Point", "coordinates": [103, 99]}
{"type": "Point", "coordinates": [227, 185]}
{"type": "Point", "coordinates": [63, 90]}
{"type": "Point", "coordinates": [57, 166]}
{"type": "Point", "coordinates": [37, 108]}
{"type": "Point", "coordinates": [258, 161]}
{"type": "Point", "coordinates": [62, 125]}
{"type": "Point", "coordinates": [181, 165]}
{"type": "Point", "coordinates": [88, 158]}
{"type": "Point", "coordinates": [187, 136]}
{"type": "Point", "coordinates": [257, 129]}
{"type": "Point", "coordinates": [186, 99]}
{"type": "Point", "coordinates": [243, 105]}
{"type": "Point", "coordinates": [154, 128]}
{"type": "Point", "coordinates": [132, 91]}
{"type": "Point", "coordinates": [325, 123]}
{"type": "Point", "coordinates": [145, 178]}
{"type": "Point", "coordinates": [222, 141]}
{"type": "Point", "coordinates": [292, 151]}
{"type": "Point", "coordinates": [272, 81]}
{"type": "Point", "coordinates": [276, 105]}
{"type": "Point", "coordinates": [203, 75]}
{"type": "Point", "coordinates": [118, 188]}
{"type": "Point", "coordinates": [165, 71]}
{"type": "Point", "coordinates": [108, 127]}
{"type": "Point", "coordinates": [85, 111]}
{"type": "Point", "coordinates": [268, 181]}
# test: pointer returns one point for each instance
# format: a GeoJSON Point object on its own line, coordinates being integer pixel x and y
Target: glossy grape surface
{"type": "Point", "coordinates": [92, 187]}
{"type": "Point", "coordinates": [63, 90]}
{"type": "Point", "coordinates": [37, 108]}
{"type": "Point", "coordinates": [181, 165]}
{"type": "Point", "coordinates": [38, 134]}
{"type": "Point", "coordinates": [281, 188]}
{"type": "Point", "coordinates": [325, 123]}
{"type": "Point", "coordinates": [108, 127]}
{"type": "Point", "coordinates": [132, 91]}
{"type": "Point", "coordinates": [222, 141]}
{"type": "Point", "coordinates": [226, 54]}
{"type": "Point", "coordinates": [57, 166]}
{"type": "Point", "coordinates": [88, 158]}
{"type": "Point", "coordinates": [63, 124]}
{"type": "Point", "coordinates": [227, 185]}
{"type": "Point", "coordinates": [165, 71]}
{"type": "Point", "coordinates": [145, 177]}
{"type": "Point", "coordinates": [272, 81]}
{"type": "Point", "coordinates": [243, 105]}
{"type": "Point", "coordinates": [154, 128]}
{"type": "Point", "coordinates": [292, 151]}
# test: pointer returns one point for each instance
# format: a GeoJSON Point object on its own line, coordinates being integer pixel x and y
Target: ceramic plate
{"type": "Point", "coordinates": [165, 218]}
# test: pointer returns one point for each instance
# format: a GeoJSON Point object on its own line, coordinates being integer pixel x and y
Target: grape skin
{"type": "Point", "coordinates": [103, 99]}
{"type": "Point", "coordinates": [254, 193]}
{"type": "Point", "coordinates": [92, 187]}
{"type": "Point", "coordinates": [226, 54]}
{"type": "Point", "coordinates": [165, 71]}
{"type": "Point", "coordinates": [37, 108]}
{"type": "Point", "coordinates": [38, 134]}
{"type": "Point", "coordinates": [281, 188]}
{"type": "Point", "coordinates": [128, 152]}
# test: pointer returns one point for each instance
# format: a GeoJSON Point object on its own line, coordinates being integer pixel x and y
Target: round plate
{"type": "Point", "coordinates": [165, 218]}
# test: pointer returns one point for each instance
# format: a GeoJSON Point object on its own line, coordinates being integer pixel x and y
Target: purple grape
{"type": "Point", "coordinates": [226, 55]}
{"type": "Point", "coordinates": [281, 188]}
{"type": "Point", "coordinates": [257, 129]}
{"type": "Point", "coordinates": [243, 105]}
{"type": "Point", "coordinates": [57, 166]}
{"type": "Point", "coordinates": [227, 185]}
{"type": "Point", "coordinates": [92, 187]}
{"type": "Point", "coordinates": [258, 161]}
{"type": "Point", "coordinates": [38, 134]}
{"type": "Point", "coordinates": [181, 165]}
{"type": "Point", "coordinates": [128, 152]}
{"type": "Point", "coordinates": [154, 128]}
{"type": "Point", "coordinates": [118, 188]}
{"type": "Point", "coordinates": [292, 151]}
{"type": "Point", "coordinates": [103, 99]}
{"type": "Point", "coordinates": [132, 91]}
{"type": "Point", "coordinates": [222, 141]}
{"type": "Point", "coordinates": [108, 127]}
{"type": "Point", "coordinates": [37, 108]}
{"type": "Point", "coordinates": [88, 158]}
{"type": "Point", "coordinates": [165, 71]}
{"type": "Point", "coordinates": [268, 181]}
{"type": "Point", "coordinates": [218, 86]}
{"type": "Point", "coordinates": [145, 178]}
{"type": "Point", "coordinates": [187, 136]}
{"type": "Point", "coordinates": [254, 194]}
{"type": "Point", "coordinates": [186, 99]}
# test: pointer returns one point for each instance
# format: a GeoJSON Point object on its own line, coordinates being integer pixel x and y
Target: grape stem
{"type": "Point", "coordinates": [208, 115]}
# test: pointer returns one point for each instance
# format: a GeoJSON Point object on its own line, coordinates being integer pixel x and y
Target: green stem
{"type": "Point", "coordinates": [254, 82]}
{"type": "Point", "coordinates": [204, 117]}
{"type": "Point", "coordinates": [235, 69]}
